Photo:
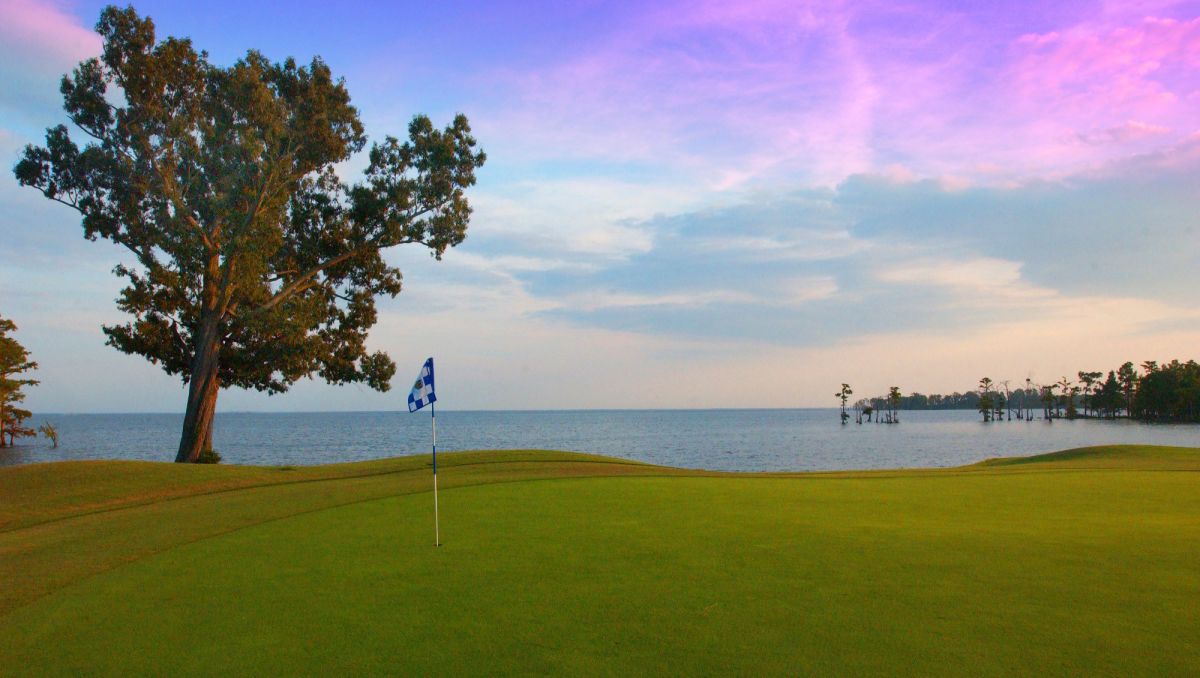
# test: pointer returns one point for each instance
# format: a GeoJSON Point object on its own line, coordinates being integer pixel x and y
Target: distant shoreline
{"type": "Point", "coordinates": [448, 410]}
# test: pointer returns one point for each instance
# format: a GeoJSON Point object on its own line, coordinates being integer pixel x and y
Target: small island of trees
{"type": "Point", "coordinates": [1163, 393]}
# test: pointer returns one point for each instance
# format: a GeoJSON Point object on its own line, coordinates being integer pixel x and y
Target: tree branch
{"type": "Point", "coordinates": [298, 285]}
{"type": "Point", "coordinates": [181, 209]}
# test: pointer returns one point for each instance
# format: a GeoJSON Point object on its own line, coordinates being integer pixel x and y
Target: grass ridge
{"type": "Point", "coordinates": [204, 490]}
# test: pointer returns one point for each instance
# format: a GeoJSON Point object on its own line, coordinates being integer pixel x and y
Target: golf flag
{"type": "Point", "coordinates": [422, 391]}
{"type": "Point", "coordinates": [422, 395]}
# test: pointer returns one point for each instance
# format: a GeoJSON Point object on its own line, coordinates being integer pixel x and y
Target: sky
{"type": "Point", "coordinates": [702, 204]}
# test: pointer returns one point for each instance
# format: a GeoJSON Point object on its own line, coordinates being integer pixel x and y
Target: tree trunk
{"type": "Point", "coordinates": [208, 435]}
{"type": "Point", "coordinates": [202, 396]}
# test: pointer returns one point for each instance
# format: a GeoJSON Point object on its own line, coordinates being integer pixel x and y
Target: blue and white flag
{"type": "Point", "coordinates": [422, 391]}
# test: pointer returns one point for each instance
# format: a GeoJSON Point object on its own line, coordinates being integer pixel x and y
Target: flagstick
{"type": "Point", "coordinates": [437, 534]}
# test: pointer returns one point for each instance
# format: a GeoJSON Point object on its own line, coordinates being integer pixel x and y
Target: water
{"type": "Point", "coordinates": [731, 440]}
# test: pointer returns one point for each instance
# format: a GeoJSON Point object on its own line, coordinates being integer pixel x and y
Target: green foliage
{"type": "Point", "coordinates": [14, 361]}
{"type": "Point", "coordinates": [1127, 377]}
{"type": "Point", "coordinates": [1090, 381]}
{"type": "Point", "coordinates": [1106, 399]}
{"type": "Point", "coordinates": [1170, 392]}
{"type": "Point", "coordinates": [986, 402]}
{"type": "Point", "coordinates": [1167, 392]}
{"type": "Point", "coordinates": [13, 424]}
{"type": "Point", "coordinates": [844, 394]}
{"type": "Point", "coordinates": [1048, 399]}
{"type": "Point", "coordinates": [986, 405]}
{"type": "Point", "coordinates": [893, 400]}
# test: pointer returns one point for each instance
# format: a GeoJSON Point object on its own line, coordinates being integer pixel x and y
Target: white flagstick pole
{"type": "Point", "coordinates": [437, 534]}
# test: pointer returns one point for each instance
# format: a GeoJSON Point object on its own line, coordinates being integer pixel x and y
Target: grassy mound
{"type": "Point", "coordinates": [1081, 562]}
{"type": "Point", "coordinates": [1130, 457]}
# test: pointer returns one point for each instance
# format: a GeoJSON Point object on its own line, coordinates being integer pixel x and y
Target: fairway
{"type": "Point", "coordinates": [1076, 563]}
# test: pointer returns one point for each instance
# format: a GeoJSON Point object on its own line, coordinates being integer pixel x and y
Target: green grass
{"type": "Point", "coordinates": [1082, 562]}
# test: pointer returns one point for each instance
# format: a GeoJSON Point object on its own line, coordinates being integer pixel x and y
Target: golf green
{"type": "Point", "coordinates": [1079, 563]}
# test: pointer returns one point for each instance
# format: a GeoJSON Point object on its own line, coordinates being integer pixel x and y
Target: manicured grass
{"type": "Point", "coordinates": [1078, 563]}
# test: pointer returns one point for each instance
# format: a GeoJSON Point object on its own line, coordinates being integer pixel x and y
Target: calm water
{"type": "Point", "coordinates": [735, 440]}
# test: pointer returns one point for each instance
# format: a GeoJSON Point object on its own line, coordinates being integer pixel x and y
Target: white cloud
{"type": "Point", "coordinates": [596, 218]}
{"type": "Point", "coordinates": [982, 277]}
{"type": "Point", "coordinates": [798, 291]}
{"type": "Point", "coordinates": [798, 244]}
{"type": "Point", "coordinates": [594, 301]}
{"type": "Point", "coordinates": [511, 264]}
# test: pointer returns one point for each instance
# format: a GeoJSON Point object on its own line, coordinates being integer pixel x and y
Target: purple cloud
{"type": "Point", "coordinates": [734, 95]}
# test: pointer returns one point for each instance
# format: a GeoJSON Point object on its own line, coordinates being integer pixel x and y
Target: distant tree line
{"type": "Point", "coordinates": [1168, 392]}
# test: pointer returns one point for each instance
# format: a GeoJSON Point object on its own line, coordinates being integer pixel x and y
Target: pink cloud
{"type": "Point", "coordinates": [737, 96]}
{"type": "Point", "coordinates": [1083, 95]}
{"type": "Point", "coordinates": [720, 92]}
{"type": "Point", "coordinates": [1132, 130]}
{"type": "Point", "coordinates": [1137, 71]}
{"type": "Point", "coordinates": [38, 43]}
{"type": "Point", "coordinates": [47, 30]}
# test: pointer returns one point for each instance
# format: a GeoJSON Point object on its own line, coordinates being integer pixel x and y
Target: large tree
{"type": "Point", "coordinates": [14, 360]}
{"type": "Point", "coordinates": [254, 264]}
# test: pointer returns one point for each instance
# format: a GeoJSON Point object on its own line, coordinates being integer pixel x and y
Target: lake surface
{"type": "Point", "coordinates": [733, 440]}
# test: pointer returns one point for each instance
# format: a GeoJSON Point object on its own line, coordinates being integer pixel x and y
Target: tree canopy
{"type": "Point", "coordinates": [253, 263]}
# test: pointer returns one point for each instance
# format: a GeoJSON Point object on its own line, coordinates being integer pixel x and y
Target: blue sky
{"type": "Point", "coordinates": [705, 204]}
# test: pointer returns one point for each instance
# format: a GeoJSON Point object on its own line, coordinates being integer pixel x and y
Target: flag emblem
{"type": "Point", "coordinates": [422, 390]}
